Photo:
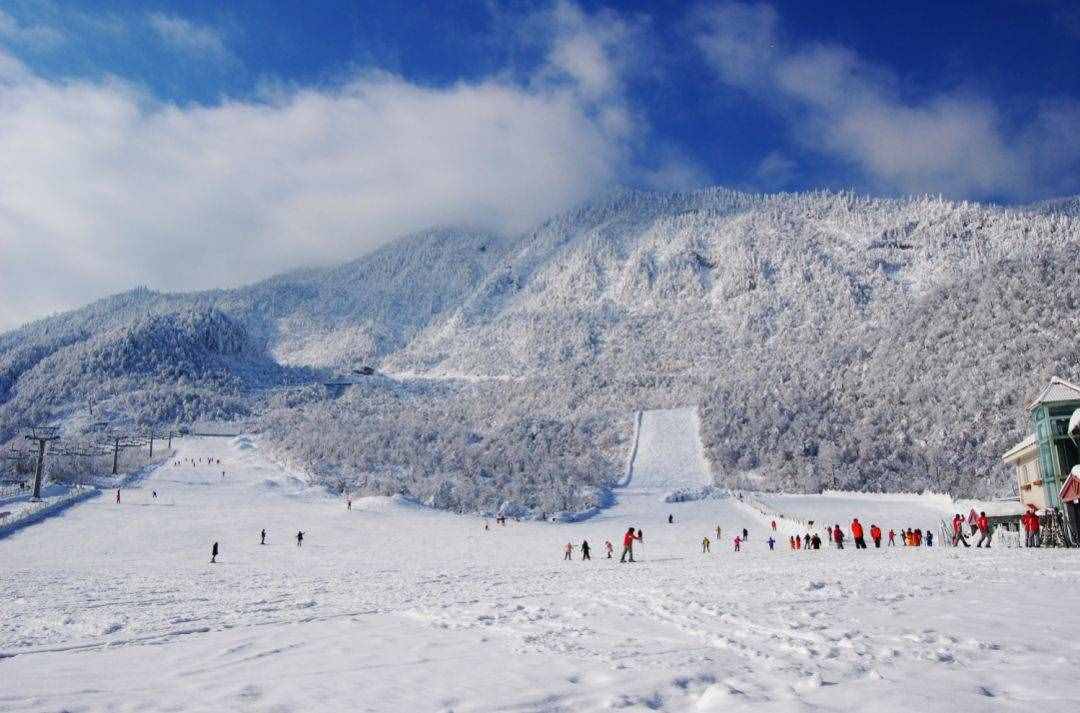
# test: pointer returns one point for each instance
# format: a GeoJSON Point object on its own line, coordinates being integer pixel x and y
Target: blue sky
{"type": "Point", "coordinates": [261, 136]}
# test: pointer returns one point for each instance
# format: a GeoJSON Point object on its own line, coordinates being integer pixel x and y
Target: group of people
{"type": "Point", "coordinates": [979, 526]}
{"type": "Point", "coordinates": [214, 549]}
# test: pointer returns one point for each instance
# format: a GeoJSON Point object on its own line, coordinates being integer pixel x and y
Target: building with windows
{"type": "Point", "coordinates": [1044, 460]}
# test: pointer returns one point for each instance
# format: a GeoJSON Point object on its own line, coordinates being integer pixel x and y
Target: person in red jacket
{"type": "Point", "coordinates": [857, 534]}
{"type": "Point", "coordinates": [838, 537]}
{"type": "Point", "coordinates": [628, 544]}
{"type": "Point", "coordinates": [875, 535]}
{"type": "Point", "coordinates": [983, 524]}
{"type": "Point", "coordinates": [958, 531]}
{"type": "Point", "coordinates": [892, 538]}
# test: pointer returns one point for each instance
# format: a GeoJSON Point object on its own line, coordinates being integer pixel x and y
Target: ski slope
{"type": "Point", "coordinates": [669, 453]}
{"type": "Point", "coordinates": [392, 607]}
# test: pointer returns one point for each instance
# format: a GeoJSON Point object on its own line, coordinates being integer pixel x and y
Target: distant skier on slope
{"type": "Point", "coordinates": [155, 494]}
{"type": "Point", "coordinates": [983, 524]}
{"type": "Point", "coordinates": [717, 533]}
{"type": "Point", "coordinates": [671, 519]}
{"type": "Point", "coordinates": [585, 550]}
{"type": "Point", "coordinates": [892, 538]}
{"type": "Point", "coordinates": [815, 541]}
{"type": "Point", "coordinates": [838, 536]}
{"type": "Point", "coordinates": [705, 545]}
{"type": "Point", "coordinates": [213, 553]}
{"type": "Point", "coordinates": [771, 541]}
{"type": "Point", "coordinates": [262, 537]}
{"type": "Point", "coordinates": [745, 535]}
{"type": "Point", "coordinates": [857, 534]}
{"type": "Point", "coordinates": [118, 495]}
{"type": "Point", "coordinates": [300, 538]}
{"type": "Point", "coordinates": [738, 541]}
{"type": "Point", "coordinates": [875, 535]}
{"type": "Point", "coordinates": [628, 544]}
{"type": "Point", "coordinates": [609, 547]}
{"type": "Point", "coordinates": [567, 551]}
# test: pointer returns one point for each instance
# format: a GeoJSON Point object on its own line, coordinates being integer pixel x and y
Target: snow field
{"type": "Point", "coordinates": [395, 607]}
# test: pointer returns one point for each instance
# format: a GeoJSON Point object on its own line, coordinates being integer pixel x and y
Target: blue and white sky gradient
{"type": "Point", "coordinates": [205, 144]}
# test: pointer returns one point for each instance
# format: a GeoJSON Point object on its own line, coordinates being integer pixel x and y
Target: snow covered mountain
{"type": "Point", "coordinates": [830, 341]}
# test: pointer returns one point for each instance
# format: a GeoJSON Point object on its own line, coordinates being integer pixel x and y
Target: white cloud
{"type": "Point", "coordinates": [838, 104]}
{"type": "Point", "coordinates": [189, 37]}
{"type": "Point", "coordinates": [106, 187]}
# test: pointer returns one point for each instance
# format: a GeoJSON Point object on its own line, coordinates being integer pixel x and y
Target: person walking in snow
{"type": "Point", "coordinates": [628, 544]}
{"type": "Point", "coordinates": [705, 545]}
{"type": "Point", "coordinates": [348, 506]}
{"type": "Point", "coordinates": [857, 534]}
{"type": "Point", "coordinates": [791, 542]}
{"type": "Point", "coordinates": [745, 535]}
{"type": "Point", "coordinates": [892, 538]}
{"type": "Point", "coordinates": [213, 553]}
{"type": "Point", "coordinates": [717, 533]}
{"type": "Point", "coordinates": [958, 530]}
{"type": "Point", "coordinates": [984, 530]}
{"type": "Point", "coordinates": [875, 535]}
{"type": "Point", "coordinates": [828, 531]}
{"type": "Point", "coordinates": [930, 538]}
{"type": "Point", "coordinates": [155, 494]}
{"type": "Point", "coordinates": [771, 541]}
{"type": "Point", "coordinates": [671, 519]}
{"type": "Point", "coordinates": [806, 541]}
{"type": "Point", "coordinates": [262, 537]}
{"type": "Point", "coordinates": [815, 541]}
{"type": "Point", "coordinates": [567, 551]}
{"type": "Point", "coordinates": [118, 495]}
{"type": "Point", "coordinates": [585, 550]}
{"type": "Point", "coordinates": [838, 536]}
{"type": "Point", "coordinates": [738, 541]}
{"type": "Point", "coordinates": [609, 547]}
{"type": "Point", "coordinates": [300, 538]}
{"type": "Point", "coordinates": [774, 525]}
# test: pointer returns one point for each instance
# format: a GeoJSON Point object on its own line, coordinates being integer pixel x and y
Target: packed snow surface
{"type": "Point", "coordinates": [394, 607]}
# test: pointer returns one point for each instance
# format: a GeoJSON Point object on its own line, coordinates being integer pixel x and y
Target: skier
{"type": "Point", "coordinates": [213, 554]}
{"type": "Point", "coordinates": [774, 525]}
{"type": "Point", "coordinates": [348, 506]}
{"type": "Point", "coordinates": [984, 530]}
{"type": "Point", "coordinates": [585, 550]}
{"type": "Point", "coordinates": [300, 538]}
{"type": "Point", "coordinates": [745, 535]}
{"type": "Point", "coordinates": [875, 535]}
{"type": "Point", "coordinates": [806, 541]}
{"type": "Point", "coordinates": [857, 534]}
{"type": "Point", "coordinates": [930, 538]}
{"type": "Point", "coordinates": [838, 536]}
{"type": "Point", "coordinates": [567, 551]}
{"type": "Point", "coordinates": [155, 494]}
{"type": "Point", "coordinates": [671, 519]}
{"type": "Point", "coordinates": [771, 542]}
{"type": "Point", "coordinates": [628, 544]}
{"type": "Point", "coordinates": [798, 542]}
{"type": "Point", "coordinates": [262, 537]}
{"type": "Point", "coordinates": [705, 545]}
{"type": "Point", "coordinates": [717, 533]}
{"type": "Point", "coordinates": [738, 541]}
{"type": "Point", "coordinates": [609, 547]}
{"type": "Point", "coordinates": [892, 538]}
{"type": "Point", "coordinates": [815, 541]}
{"type": "Point", "coordinates": [791, 542]}
{"type": "Point", "coordinates": [958, 531]}
{"type": "Point", "coordinates": [829, 535]}
{"type": "Point", "coordinates": [118, 495]}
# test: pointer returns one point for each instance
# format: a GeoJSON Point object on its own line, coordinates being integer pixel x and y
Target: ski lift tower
{"type": "Point", "coordinates": [41, 435]}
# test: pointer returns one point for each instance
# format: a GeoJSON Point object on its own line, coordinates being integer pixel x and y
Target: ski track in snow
{"type": "Point", "coordinates": [394, 607]}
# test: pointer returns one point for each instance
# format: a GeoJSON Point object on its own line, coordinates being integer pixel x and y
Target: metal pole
{"type": "Point", "coordinates": [40, 465]}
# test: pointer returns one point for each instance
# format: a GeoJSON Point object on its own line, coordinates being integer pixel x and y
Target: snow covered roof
{"type": "Point", "coordinates": [1057, 390]}
{"type": "Point", "coordinates": [1070, 489]}
{"type": "Point", "coordinates": [1014, 452]}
